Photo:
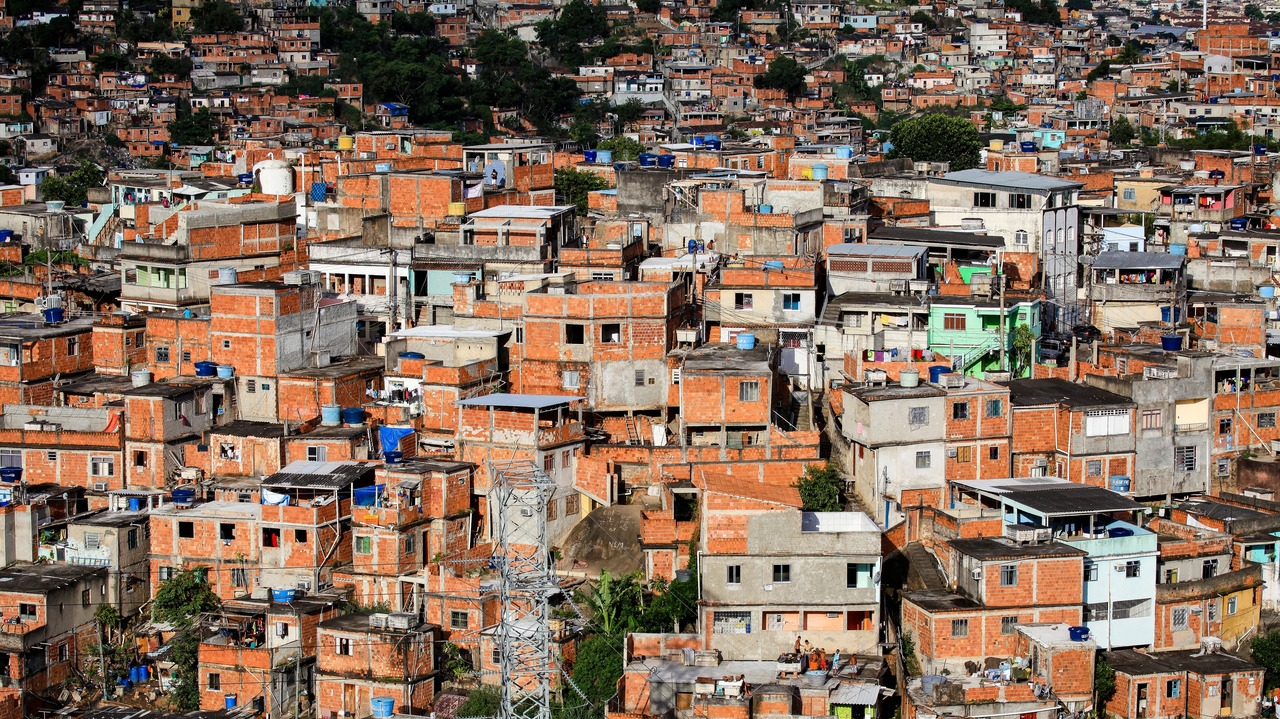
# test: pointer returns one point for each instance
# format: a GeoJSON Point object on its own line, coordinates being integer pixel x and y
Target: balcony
{"type": "Point", "coordinates": [562, 434]}
{"type": "Point", "coordinates": [1185, 427]}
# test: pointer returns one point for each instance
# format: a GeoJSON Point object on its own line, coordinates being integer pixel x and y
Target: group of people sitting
{"type": "Point", "coordinates": [814, 658]}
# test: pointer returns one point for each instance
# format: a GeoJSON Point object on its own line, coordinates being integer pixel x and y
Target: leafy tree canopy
{"type": "Point", "coordinates": [821, 488]}
{"type": "Point", "coordinates": [937, 138]}
{"type": "Point", "coordinates": [784, 74]}
{"type": "Point", "coordinates": [574, 186]}
{"type": "Point", "coordinates": [216, 16]}
{"type": "Point", "coordinates": [72, 189]}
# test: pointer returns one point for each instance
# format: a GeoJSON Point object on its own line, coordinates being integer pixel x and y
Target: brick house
{"type": "Point", "coordinates": [362, 656]}
{"type": "Point", "coordinates": [220, 536]}
{"type": "Point", "coordinates": [160, 417]}
{"type": "Point", "coordinates": [32, 353]}
{"type": "Point", "coordinates": [73, 447]}
{"type": "Point", "coordinates": [1189, 683]}
{"type": "Point", "coordinates": [1076, 432]}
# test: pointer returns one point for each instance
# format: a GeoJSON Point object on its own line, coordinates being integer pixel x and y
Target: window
{"type": "Point", "coordinates": [1130, 194]}
{"type": "Point", "coordinates": [960, 410]}
{"type": "Point", "coordinates": [918, 416]}
{"type": "Point", "coordinates": [226, 344]}
{"type": "Point", "coordinates": [1020, 237]}
{"type": "Point", "coordinates": [731, 623]}
{"type": "Point", "coordinates": [1132, 569]}
{"type": "Point", "coordinates": [995, 408]}
{"type": "Point", "coordinates": [270, 537]}
{"type": "Point", "coordinates": [993, 452]}
{"type": "Point", "coordinates": [139, 459]}
{"type": "Point", "coordinates": [1224, 425]}
{"type": "Point", "coordinates": [226, 531]}
{"type": "Point", "coordinates": [859, 575]}
{"type": "Point", "coordinates": [92, 540]}
{"type": "Point", "coordinates": [1008, 625]}
{"type": "Point", "coordinates": [574, 335]}
{"type": "Point", "coordinates": [791, 301]}
{"type": "Point", "coordinates": [300, 536]}
{"type": "Point", "coordinates": [27, 612]}
{"type": "Point", "coordinates": [1179, 618]}
{"type": "Point", "coordinates": [1233, 603]}
{"type": "Point", "coordinates": [162, 355]}
{"type": "Point", "coordinates": [1090, 572]}
{"type": "Point", "coordinates": [570, 379]}
{"type": "Point", "coordinates": [959, 628]}
{"type": "Point", "coordinates": [1184, 458]}
{"type": "Point", "coordinates": [10, 458]}
{"type": "Point", "coordinates": [742, 301]}
{"type": "Point", "coordinates": [1224, 467]}
{"type": "Point", "coordinates": [317, 454]}
{"type": "Point", "coordinates": [611, 333]}
{"type": "Point", "coordinates": [549, 462]}
{"type": "Point", "coordinates": [984, 199]}
{"type": "Point", "coordinates": [639, 378]}
{"type": "Point", "coordinates": [519, 335]}
{"type": "Point", "coordinates": [603, 277]}
{"type": "Point", "coordinates": [73, 346]}
{"type": "Point", "coordinates": [364, 545]}
{"type": "Point", "coordinates": [1209, 569]}
{"type": "Point", "coordinates": [496, 655]}
{"type": "Point", "coordinates": [1170, 576]}
{"type": "Point", "coordinates": [62, 652]}
{"type": "Point", "coordinates": [733, 574]}
{"type": "Point", "coordinates": [953, 321]}
{"type": "Point", "coordinates": [344, 646]}
{"type": "Point", "coordinates": [186, 530]}
{"type": "Point", "coordinates": [782, 572]}
{"type": "Point", "coordinates": [459, 620]}
{"type": "Point", "coordinates": [924, 460]}
{"type": "Point", "coordinates": [1213, 610]}
{"type": "Point", "coordinates": [1106, 422]}
{"type": "Point", "coordinates": [749, 391]}
{"type": "Point", "coordinates": [131, 539]}
{"type": "Point", "coordinates": [964, 454]}
{"type": "Point", "coordinates": [51, 456]}
{"type": "Point", "coordinates": [215, 682]}
{"type": "Point", "coordinates": [282, 630]}
{"type": "Point", "coordinates": [165, 573]}
{"type": "Point", "coordinates": [186, 355]}
{"type": "Point", "coordinates": [1009, 575]}
{"type": "Point", "coordinates": [408, 545]}
{"type": "Point", "coordinates": [1173, 687]}
{"type": "Point", "coordinates": [1266, 420]}
{"type": "Point", "coordinates": [239, 577]}
{"type": "Point", "coordinates": [1019, 201]}
{"type": "Point", "coordinates": [251, 386]}
{"type": "Point", "coordinates": [1094, 467]}
{"type": "Point", "coordinates": [1152, 419]}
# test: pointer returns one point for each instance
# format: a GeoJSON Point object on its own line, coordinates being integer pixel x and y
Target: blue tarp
{"type": "Point", "coordinates": [391, 436]}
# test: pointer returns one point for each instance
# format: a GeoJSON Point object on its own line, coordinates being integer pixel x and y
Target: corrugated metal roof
{"type": "Point", "coordinates": [1138, 261]}
{"type": "Point", "coordinates": [518, 401]}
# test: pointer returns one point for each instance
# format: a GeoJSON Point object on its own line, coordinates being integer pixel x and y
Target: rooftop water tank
{"type": "Point", "coordinates": [275, 177]}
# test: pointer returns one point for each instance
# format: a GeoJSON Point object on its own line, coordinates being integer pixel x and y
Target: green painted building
{"type": "Point", "coordinates": [967, 329]}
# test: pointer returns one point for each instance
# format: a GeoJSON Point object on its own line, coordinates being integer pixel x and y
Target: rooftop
{"type": "Point", "coordinates": [1051, 496]}
{"type": "Point", "coordinates": [1036, 392]}
{"type": "Point", "coordinates": [519, 401]}
{"type": "Point", "coordinates": [932, 237]}
{"type": "Point", "coordinates": [1135, 663]}
{"type": "Point", "coordinates": [993, 548]}
{"type": "Point", "coordinates": [1138, 261]}
{"type": "Point", "coordinates": [1010, 180]}
{"type": "Point", "coordinates": [45, 578]}
{"type": "Point", "coordinates": [318, 475]}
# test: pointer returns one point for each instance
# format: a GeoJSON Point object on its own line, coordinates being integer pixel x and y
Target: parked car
{"type": "Point", "coordinates": [1086, 333]}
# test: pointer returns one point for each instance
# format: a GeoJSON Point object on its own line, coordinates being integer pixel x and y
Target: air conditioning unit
{"type": "Point", "coordinates": [526, 512]}
{"type": "Point", "coordinates": [1118, 567]}
{"type": "Point", "coordinates": [976, 574]}
{"type": "Point", "coordinates": [100, 486]}
{"type": "Point", "coordinates": [1040, 462]}
{"type": "Point", "coordinates": [952, 452]}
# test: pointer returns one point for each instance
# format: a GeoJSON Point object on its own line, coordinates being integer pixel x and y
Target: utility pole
{"type": "Point", "coordinates": [393, 291]}
{"type": "Point", "coordinates": [1000, 281]}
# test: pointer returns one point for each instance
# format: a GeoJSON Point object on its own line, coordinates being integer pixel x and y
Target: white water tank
{"type": "Point", "coordinates": [275, 177]}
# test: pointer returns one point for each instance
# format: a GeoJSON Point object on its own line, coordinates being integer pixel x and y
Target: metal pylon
{"type": "Point", "coordinates": [518, 498]}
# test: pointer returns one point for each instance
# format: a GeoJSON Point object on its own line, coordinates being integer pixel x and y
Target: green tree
{"type": "Point", "coordinates": [216, 16]}
{"type": "Point", "coordinates": [673, 604]}
{"type": "Point", "coordinates": [1122, 132]}
{"type": "Point", "coordinates": [110, 61]}
{"type": "Point", "coordinates": [1253, 12]}
{"type": "Point", "coordinates": [192, 128]}
{"type": "Point", "coordinates": [573, 186]}
{"type": "Point", "coordinates": [454, 662]}
{"type": "Point", "coordinates": [72, 189]}
{"type": "Point", "coordinates": [1022, 343]}
{"type": "Point", "coordinates": [418, 23]}
{"type": "Point", "coordinates": [1104, 684]}
{"type": "Point", "coordinates": [1079, 4]}
{"type": "Point", "coordinates": [179, 601]}
{"type": "Point", "coordinates": [653, 7]}
{"type": "Point", "coordinates": [821, 488]}
{"type": "Point", "coordinates": [598, 667]}
{"type": "Point", "coordinates": [1101, 70]}
{"type": "Point", "coordinates": [628, 112]}
{"type": "Point", "coordinates": [162, 65]}
{"type": "Point", "coordinates": [613, 603]}
{"type": "Point", "coordinates": [624, 149]}
{"type": "Point", "coordinates": [482, 702]}
{"type": "Point", "coordinates": [784, 74]}
{"type": "Point", "coordinates": [1044, 12]}
{"type": "Point", "coordinates": [1130, 54]}
{"type": "Point", "coordinates": [924, 19]}
{"type": "Point", "coordinates": [937, 138]}
{"type": "Point", "coordinates": [1266, 653]}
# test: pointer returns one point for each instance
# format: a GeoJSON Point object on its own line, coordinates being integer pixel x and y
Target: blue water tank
{"type": "Point", "coordinates": [1028, 146]}
{"type": "Point", "coordinates": [589, 155]}
{"type": "Point", "coordinates": [206, 369]}
{"type": "Point", "coordinates": [1171, 343]}
{"type": "Point", "coordinates": [1259, 149]}
{"type": "Point", "coordinates": [746, 341]}
{"type": "Point", "coordinates": [11, 474]}
{"type": "Point", "coordinates": [392, 456]}
{"type": "Point", "coordinates": [693, 246]}
{"type": "Point", "coordinates": [844, 152]}
{"type": "Point", "coordinates": [936, 372]}
{"type": "Point", "coordinates": [774, 265]}
{"type": "Point", "coordinates": [666, 160]}
{"type": "Point", "coordinates": [229, 701]}
{"type": "Point", "coordinates": [383, 707]}
{"type": "Point", "coordinates": [330, 414]}
{"type": "Point", "coordinates": [353, 415]}
{"type": "Point", "coordinates": [648, 159]}
{"type": "Point", "coordinates": [1176, 249]}
{"type": "Point", "coordinates": [412, 355]}
{"type": "Point", "coordinates": [6, 235]}
{"type": "Point", "coordinates": [54, 315]}
{"type": "Point", "coordinates": [1266, 291]}
{"type": "Point", "coordinates": [1116, 532]}
{"type": "Point", "coordinates": [283, 596]}
{"type": "Point", "coordinates": [245, 178]}
{"type": "Point", "coordinates": [604, 157]}
{"type": "Point", "coordinates": [764, 209]}
{"type": "Point", "coordinates": [819, 172]}
{"type": "Point", "coordinates": [713, 143]}
{"type": "Point", "coordinates": [183, 496]}
{"type": "Point", "coordinates": [1120, 483]}
{"type": "Point", "coordinates": [1078, 634]}
{"type": "Point", "coordinates": [226, 371]}
{"type": "Point", "coordinates": [697, 142]}
{"type": "Point", "coordinates": [1239, 224]}
{"type": "Point", "coordinates": [135, 504]}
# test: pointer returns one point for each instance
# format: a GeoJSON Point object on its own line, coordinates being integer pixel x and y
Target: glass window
{"type": "Point", "coordinates": [1106, 422]}
{"type": "Point", "coordinates": [1266, 420]}
{"type": "Point", "coordinates": [742, 301]}
{"type": "Point", "coordinates": [953, 321]}
{"type": "Point", "coordinates": [1152, 419]}
{"type": "Point", "coordinates": [574, 334]}
{"type": "Point", "coordinates": [924, 460]}
{"type": "Point", "coordinates": [918, 416]}
{"type": "Point", "coordinates": [791, 301]}
{"type": "Point", "coordinates": [1019, 201]}
{"type": "Point", "coordinates": [571, 379]}
{"type": "Point", "coordinates": [782, 572]}
{"type": "Point", "coordinates": [1008, 625]}
{"type": "Point", "coordinates": [364, 545]}
{"type": "Point", "coordinates": [1132, 569]}
{"type": "Point", "coordinates": [1184, 458]}
{"type": "Point", "coordinates": [733, 574]}
{"type": "Point", "coordinates": [1090, 572]}
{"type": "Point", "coordinates": [1233, 603]}
{"type": "Point", "coordinates": [749, 391]}
{"type": "Point", "coordinates": [984, 199]}
{"type": "Point", "coordinates": [611, 333]}
{"type": "Point", "coordinates": [995, 408]}
{"type": "Point", "coordinates": [959, 628]}
{"type": "Point", "coordinates": [1173, 687]}
{"type": "Point", "coordinates": [960, 410]}
{"type": "Point", "coordinates": [1009, 575]}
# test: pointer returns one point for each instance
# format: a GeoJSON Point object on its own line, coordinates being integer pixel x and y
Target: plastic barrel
{"type": "Point", "coordinates": [936, 372]}
{"type": "Point", "coordinates": [1171, 343]}
{"type": "Point", "coordinates": [206, 369]}
{"type": "Point", "coordinates": [229, 701]}
{"type": "Point", "coordinates": [346, 142]}
{"type": "Point", "coordinates": [11, 474]}
{"type": "Point", "coordinates": [648, 159]}
{"type": "Point", "coordinates": [819, 172]}
{"type": "Point", "coordinates": [844, 152]}
{"type": "Point", "coordinates": [282, 596]}
{"type": "Point", "coordinates": [392, 456]}
{"type": "Point", "coordinates": [666, 160]}
{"type": "Point", "coordinates": [697, 142]}
{"type": "Point", "coordinates": [144, 673]}
{"type": "Point", "coordinates": [331, 414]}
{"type": "Point", "coordinates": [909, 378]}
{"type": "Point", "coordinates": [746, 340]}
{"type": "Point", "coordinates": [54, 315]}
{"type": "Point", "coordinates": [383, 707]}
{"type": "Point", "coordinates": [226, 371]}
{"type": "Point", "coordinates": [6, 235]}
{"type": "Point", "coordinates": [1078, 634]}
{"type": "Point", "coordinates": [135, 504]}
{"type": "Point", "coordinates": [353, 415]}
{"type": "Point", "coordinates": [589, 156]}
